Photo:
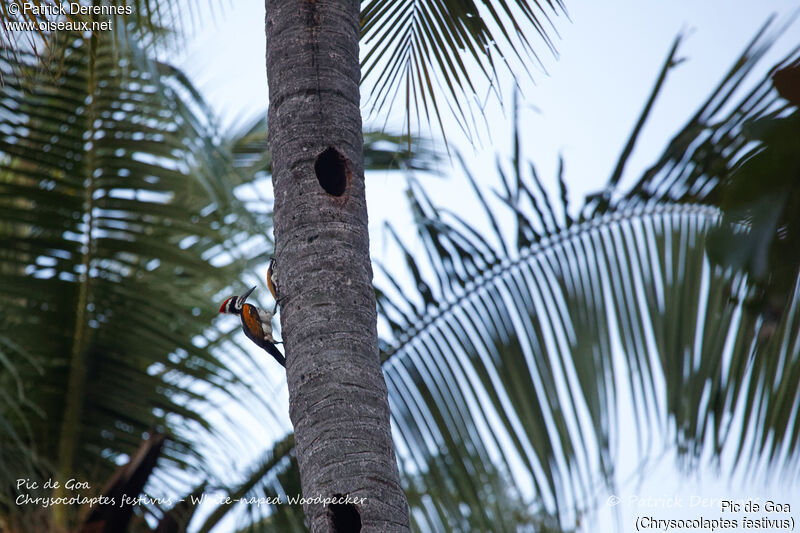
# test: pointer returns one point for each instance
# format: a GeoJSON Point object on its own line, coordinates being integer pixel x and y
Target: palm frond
{"type": "Point", "coordinates": [740, 153]}
{"type": "Point", "coordinates": [118, 226]}
{"type": "Point", "coordinates": [519, 361]}
{"type": "Point", "coordinates": [699, 159]}
{"type": "Point", "coordinates": [524, 354]}
{"type": "Point", "coordinates": [431, 50]}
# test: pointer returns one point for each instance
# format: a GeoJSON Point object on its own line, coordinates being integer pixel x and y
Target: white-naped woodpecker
{"type": "Point", "coordinates": [272, 282]}
{"type": "Point", "coordinates": [256, 323]}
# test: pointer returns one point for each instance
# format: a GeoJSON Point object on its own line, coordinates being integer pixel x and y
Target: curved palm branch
{"type": "Point", "coordinates": [533, 345]}
{"type": "Point", "coordinates": [745, 159]}
{"type": "Point", "coordinates": [519, 361]}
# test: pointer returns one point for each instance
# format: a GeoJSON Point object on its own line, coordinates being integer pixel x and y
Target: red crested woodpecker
{"type": "Point", "coordinates": [272, 282]}
{"type": "Point", "coordinates": [256, 323]}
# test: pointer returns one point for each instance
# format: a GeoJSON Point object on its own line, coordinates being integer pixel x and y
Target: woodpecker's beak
{"type": "Point", "coordinates": [245, 295]}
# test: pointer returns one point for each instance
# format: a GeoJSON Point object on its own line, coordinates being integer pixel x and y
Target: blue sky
{"type": "Point", "coordinates": [583, 107]}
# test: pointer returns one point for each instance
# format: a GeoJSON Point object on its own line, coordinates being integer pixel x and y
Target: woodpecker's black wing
{"type": "Point", "coordinates": [253, 328]}
{"type": "Point", "coordinates": [274, 352]}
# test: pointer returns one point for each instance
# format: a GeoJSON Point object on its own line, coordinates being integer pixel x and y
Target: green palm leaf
{"type": "Point", "coordinates": [529, 347]}
{"type": "Point", "coordinates": [117, 209]}
{"type": "Point", "coordinates": [430, 50]}
{"type": "Point", "coordinates": [536, 332]}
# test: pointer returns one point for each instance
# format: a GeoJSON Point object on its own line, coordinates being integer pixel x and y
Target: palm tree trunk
{"type": "Point", "coordinates": [338, 400]}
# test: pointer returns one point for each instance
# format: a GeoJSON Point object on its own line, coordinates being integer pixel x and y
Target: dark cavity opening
{"type": "Point", "coordinates": [343, 517]}
{"type": "Point", "coordinates": [331, 170]}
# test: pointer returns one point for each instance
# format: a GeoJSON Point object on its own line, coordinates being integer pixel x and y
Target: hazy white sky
{"type": "Point", "coordinates": [584, 108]}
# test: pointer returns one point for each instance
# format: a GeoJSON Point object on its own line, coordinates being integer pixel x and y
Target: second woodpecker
{"type": "Point", "coordinates": [272, 282]}
{"type": "Point", "coordinates": [256, 323]}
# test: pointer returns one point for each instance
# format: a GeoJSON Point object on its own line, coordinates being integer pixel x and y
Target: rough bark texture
{"type": "Point", "coordinates": [338, 399]}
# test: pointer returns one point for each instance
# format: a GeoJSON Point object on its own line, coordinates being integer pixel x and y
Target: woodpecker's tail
{"type": "Point", "coordinates": [275, 352]}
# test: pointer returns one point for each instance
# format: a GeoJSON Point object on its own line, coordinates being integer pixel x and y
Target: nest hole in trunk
{"type": "Point", "coordinates": [343, 517]}
{"type": "Point", "coordinates": [333, 171]}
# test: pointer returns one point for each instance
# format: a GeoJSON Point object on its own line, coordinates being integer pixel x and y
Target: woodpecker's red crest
{"type": "Point", "coordinates": [234, 304]}
{"type": "Point", "coordinates": [256, 323]}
